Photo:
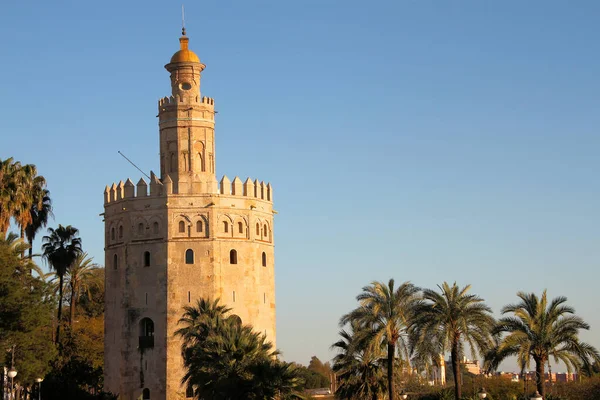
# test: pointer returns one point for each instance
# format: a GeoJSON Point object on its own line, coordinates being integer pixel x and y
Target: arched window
{"type": "Point", "coordinates": [146, 394]}
{"type": "Point", "coordinates": [146, 339]}
{"type": "Point", "coordinates": [147, 258]}
{"type": "Point", "coordinates": [233, 257]}
{"type": "Point", "coordinates": [155, 227]}
{"type": "Point", "coordinates": [112, 233]}
{"type": "Point", "coordinates": [257, 229]}
{"type": "Point", "coordinates": [240, 227]}
{"type": "Point", "coordinates": [121, 232]}
{"type": "Point", "coordinates": [115, 262]}
{"type": "Point", "coordinates": [198, 226]}
{"type": "Point", "coordinates": [140, 228]}
{"type": "Point", "coordinates": [225, 227]}
{"type": "Point", "coordinates": [189, 256]}
{"type": "Point", "coordinates": [264, 259]}
{"type": "Point", "coordinates": [181, 227]}
{"type": "Point", "coordinates": [265, 232]}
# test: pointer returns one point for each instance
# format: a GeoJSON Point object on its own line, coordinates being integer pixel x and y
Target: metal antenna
{"type": "Point", "coordinates": [131, 162]}
{"type": "Point", "coordinates": [182, 20]}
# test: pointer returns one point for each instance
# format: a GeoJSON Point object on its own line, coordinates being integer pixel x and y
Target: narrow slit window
{"type": "Point", "coordinates": [189, 297]}
{"type": "Point", "coordinates": [121, 232]}
{"type": "Point", "coordinates": [146, 298]}
{"type": "Point", "coordinates": [198, 226]}
{"type": "Point", "coordinates": [264, 259]}
{"type": "Point", "coordinates": [225, 227]}
{"type": "Point", "coordinates": [140, 229]}
{"type": "Point", "coordinates": [233, 257]}
{"type": "Point", "coordinates": [189, 256]}
{"type": "Point", "coordinates": [181, 227]}
{"type": "Point", "coordinates": [115, 262]}
{"type": "Point", "coordinates": [112, 234]}
{"type": "Point", "coordinates": [266, 232]}
{"type": "Point", "coordinates": [146, 259]}
{"type": "Point", "coordinates": [257, 229]}
{"type": "Point", "coordinates": [155, 227]}
{"type": "Point", "coordinates": [234, 296]}
{"type": "Point", "coordinates": [240, 227]}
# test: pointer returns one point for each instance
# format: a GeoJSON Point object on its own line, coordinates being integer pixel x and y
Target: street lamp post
{"type": "Point", "coordinates": [12, 372]}
{"type": "Point", "coordinates": [39, 380]}
{"type": "Point", "coordinates": [536, 396]}
{"type": "Point", "coordinates": [482, 394]}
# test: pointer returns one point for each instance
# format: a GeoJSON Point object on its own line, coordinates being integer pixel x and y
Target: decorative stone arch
{"type": "Point", "coordinates": [199, 156]}
{"type": "Point", "coordinates": [140, 227]}
{"type": "Point", "coordinates": [225, 225]}
{"type": "Point", "coordinates": [155, 225]}
{"type": "Point", "coordinates": [258, 228]}
{"type": "Point", "coordinates": [200, 226]}
{"type": "Point", "coordinates": [240, 221]}
{"type": "Point", "coordinates": [267, 233]}
{"type": "Point", "coordinates": [182, 223]}
{"type": "Point", "coordinates": [112, 233]}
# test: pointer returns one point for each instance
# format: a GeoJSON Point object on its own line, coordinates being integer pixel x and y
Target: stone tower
{"type": "Point", "coordinates": [178, 238]}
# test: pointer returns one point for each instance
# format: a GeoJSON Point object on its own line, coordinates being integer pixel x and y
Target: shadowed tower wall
{"type": "Point", "coordinates": [177, 238]}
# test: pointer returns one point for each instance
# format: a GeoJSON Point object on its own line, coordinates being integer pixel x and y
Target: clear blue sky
{"type": "Point", "coordinates": [420, 140]}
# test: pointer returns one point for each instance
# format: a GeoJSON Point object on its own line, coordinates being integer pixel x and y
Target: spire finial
{"type": "Point", "coordinates": [182, 20]}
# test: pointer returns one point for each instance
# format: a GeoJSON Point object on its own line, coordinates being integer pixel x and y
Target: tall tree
{"type": "Point", "coordinates": [8, 188]}
{"type": "Point", "coordinates": [385, 313]}
{"type": "Point", "coordinates": [41, 211]}
{"type": "Point", "coordinates": [80, 277]}
{"type": "Point", "coordinates": [225, 359]}
{"type": "Point", "coordinates": [358, 367]}
{"type": "Point", "coordinates": [540, 329]}
{"type": "Point", "coordinates": [29, 194]}
{"type": "Point", "coordinates": [449, 320]}
{"type": "Point", "coordinates": [60, 249]}
{"type": "Point", "coordinates": [25, 313]}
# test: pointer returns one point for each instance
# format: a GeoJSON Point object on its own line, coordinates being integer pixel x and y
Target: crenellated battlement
{"type": "Point", "coordinates": [128, 190]}
{"type": "Point", "coordinates": [174, 100]}
{"type": "Point", "coordinates": [256, 189]}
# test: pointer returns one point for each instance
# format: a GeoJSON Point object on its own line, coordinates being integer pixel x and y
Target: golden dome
{"type": "Point", "coordinates": [184, 55]}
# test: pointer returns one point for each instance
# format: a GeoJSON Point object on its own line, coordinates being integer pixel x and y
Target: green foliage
{"type": "Point", "coordinates": [225, 359]}
{"type": "Point", "coordinates": [448, 321]}
{"type": "Point", "coordinates": [538, 330]}
{"type": "Point", "coordinates": [25, 315]}
{"type": "Point", "coordinates": [382, 319]}
{"type": "Point", "coordinates": [312, 379]}
{"type": "Point", "coordinates": [359, 367]}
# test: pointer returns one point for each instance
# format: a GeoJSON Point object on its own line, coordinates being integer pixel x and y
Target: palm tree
{"type": "Point", "coordinates": [60, 249]}
{"type": "Point", "coordinates": [8, 188]}
{"type": "Point", "coordinates": [541, 330]}
{"type": "Point", "coordinates": [358, 367]}
{"type": "Point", "coordinates": [225, 359]}
{"type": "Point", "coordinates": [384, 315]}
{"type": "Point", "coordinates": [449, 320]}
{"type": "Point", "coordinates": [80, 277]}
{"type": "Point", "coordinates": [41, 211]}
{"type": "Point", "coordinates": [17, 247]}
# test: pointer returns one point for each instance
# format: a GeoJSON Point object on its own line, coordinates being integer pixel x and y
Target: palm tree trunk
{"type": "Point", "coordinates": [22, 238]}
{"type": "Point", "coordinates": [456, 370]}
{"type": "Point", "coordinates": [60, 299]}
{"type": "Point", "coordinates": [539, 376]}
{"type": "Point", "coordinates": [391, 350]}
{"type": "Point", "coordinates": [73, 303]}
